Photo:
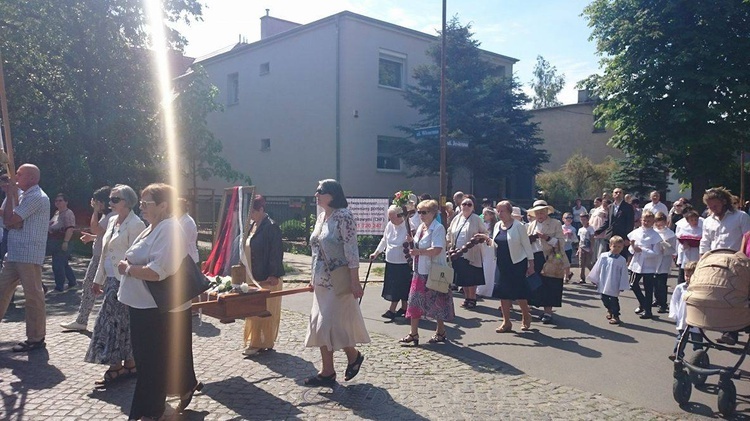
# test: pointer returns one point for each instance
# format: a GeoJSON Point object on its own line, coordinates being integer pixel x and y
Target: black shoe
{"type": "Point", "coordinates": [654, 304]}
{"type": "Point", "coordinates": [638, 310]}
{"type": "Point", "coordinates": [353, 369]}
{"type": "Point", "coordinates": [646, 316]}
{"type": "Point", "coordinates": [184, 402]}
{"type": "Point", "coordinates": [662, 310]}
{"type": "Point", "coordinates": [27, 346]}
{"type": "Point", "coordinates": [323, 381]}
{"type": "Point", "coordinates": [727, 338]}
{"type": "Point", "coordinates": [401, 312]}
{"type": "Point", "coordinates": [388, 315]}
{"type": "Point", "coordinates": [546, 319]}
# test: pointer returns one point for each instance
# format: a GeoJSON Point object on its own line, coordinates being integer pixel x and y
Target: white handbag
{"type": "Point", "coordinates": [440, 276]}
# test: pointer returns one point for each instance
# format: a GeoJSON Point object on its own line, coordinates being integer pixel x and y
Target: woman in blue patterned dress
{"type": "Point", "coordinates": [110, 339]}
{"type": "Point", "coordinates": [429, 245]}
{"type": "Point", "coordinates": [335, 321]}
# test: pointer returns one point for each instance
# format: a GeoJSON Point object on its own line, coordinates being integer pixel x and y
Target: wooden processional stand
{"type": "Point", "coordinates": [230, 306]}
{"type": "Point", "coordinates": [6, 157]}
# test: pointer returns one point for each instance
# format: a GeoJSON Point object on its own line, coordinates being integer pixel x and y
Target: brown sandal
{"type": "Point", "coordinates": [410, 339]}
{"type": "Point", "coordinates": [437, 337]}
{"type": "Point", "coordinates": [112, 375]}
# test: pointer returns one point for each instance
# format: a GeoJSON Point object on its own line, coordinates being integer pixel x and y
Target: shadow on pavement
{"type": "Point", "coordinates": [34, 372]}
{"type": "Point", "coordinates": [249, 400]}
{"type": "Point", "coordinates": [362, 399]}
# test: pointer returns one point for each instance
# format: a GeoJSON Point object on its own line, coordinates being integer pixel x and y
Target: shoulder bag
{"type": "Point", "coordinates": [187, 283]}
{"type": "Point", "coordinates": [340, 277]}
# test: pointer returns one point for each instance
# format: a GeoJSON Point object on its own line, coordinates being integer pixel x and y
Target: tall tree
{"type": "Point", "coordinates": [484, 107]}
{"type": "Point", "coordinates": [81, 102]}
{"type": "Point", "coordinates": [546, 84]}
{"type": "Point", "coordinates": [640, 175]}
{"type": "Point", "coordinates": [201, 151]}
{"type": "Point", "coordinates": [676, 82]}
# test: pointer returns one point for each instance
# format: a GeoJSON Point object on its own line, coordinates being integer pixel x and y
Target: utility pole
{"type": "Point", "coordinates": [443, 125]}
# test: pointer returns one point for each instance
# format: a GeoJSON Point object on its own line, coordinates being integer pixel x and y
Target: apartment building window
{"type": "Point", "coordinates": [265, 145]}
{"type": "Point", "coordinates": [233, 88]}
{"type": "Point", "coordinates": [388, 157]}
{"type": "Point", "coordinates": [265, 68]}
{"type": "Point", "coordinates": [391, 69]}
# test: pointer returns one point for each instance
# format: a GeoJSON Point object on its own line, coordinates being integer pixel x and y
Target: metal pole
{"type": "Point", "coordinates": [443, 125]}
{"type": "Point", "coordinates": [742, 177]}
{"type": "Point", "coordinates": [7, 143]}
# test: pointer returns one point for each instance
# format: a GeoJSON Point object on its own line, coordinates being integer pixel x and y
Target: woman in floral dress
{"type": "Point", "coordinates": [335, 321]}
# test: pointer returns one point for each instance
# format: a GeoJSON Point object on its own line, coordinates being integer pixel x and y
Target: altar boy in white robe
{"type": "Point", "coordinates": [647, 254]}
{"type": "Point", "coordinates": [610, 275]}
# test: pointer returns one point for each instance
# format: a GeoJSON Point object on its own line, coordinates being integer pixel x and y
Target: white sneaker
{"type": "Point", "coordinates": [250, 351]}
{"type": "Point", "coordinates": [73, 326]}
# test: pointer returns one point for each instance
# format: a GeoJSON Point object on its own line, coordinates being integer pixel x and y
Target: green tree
{"type": "Point", "coordinates": [546, 84]}
{"type": "Point", "coordinates": [201, 151]}
{"type": "Point", "coordinates": [483, 106]}
{"type": "Point", "coordinates": [81, 101]}
{"type": "Point", "coordinates": [675, 81]}
{"type": "Point", "coordinates": [579, 178]}
{"type": "Point", "coordinates": [641, 176]}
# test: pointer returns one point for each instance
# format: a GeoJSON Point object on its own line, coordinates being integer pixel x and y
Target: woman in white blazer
{"type": "Point", "coordinates": [110, 339]}
{"type": "Point", "coordinates": [515, 261]}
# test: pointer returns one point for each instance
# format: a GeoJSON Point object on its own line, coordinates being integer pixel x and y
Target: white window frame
{"type": "Point", "coordinates": [233, 88]}
{"type": "Point", "coordinates": [394, 57]}
{"type": "Point", "coordinates": [378, 155]}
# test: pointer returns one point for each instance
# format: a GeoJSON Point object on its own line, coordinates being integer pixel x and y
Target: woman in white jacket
{"type": "Point", "coordinates": [515, 261]}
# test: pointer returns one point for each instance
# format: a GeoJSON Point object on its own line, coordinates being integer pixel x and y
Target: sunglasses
{"type": "Point", "coordinates": [115, 199]}
{"type": "Point", "coordinates": [145, 203]}
{"type": "Point", "coordinates": [568, 217]}
{"type": "Point", "coordinates": [423, 212]}
{"type": "Point", "coordinates": [321, 191]}
{"type": "Point", "coordinates": [468, 205]}
{"type": "Point", "coordinates": [400, 215]}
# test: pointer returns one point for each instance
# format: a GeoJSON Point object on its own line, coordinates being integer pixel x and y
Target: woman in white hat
{"type": "Point", "coordinates": [546, 238]}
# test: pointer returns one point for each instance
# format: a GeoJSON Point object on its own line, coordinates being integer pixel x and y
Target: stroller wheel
{"type": "Point", "coordinates": [699, 359]}
{"type": "Point", "coordinates": [681, 387]}
{"type": "Point", "coordinates": [727, 398]}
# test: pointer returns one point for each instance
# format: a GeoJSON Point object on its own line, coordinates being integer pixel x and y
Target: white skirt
{"type": "Point", "coordinates": [488, 262]}
{"type": "Point", "coordinates": [335, 321]}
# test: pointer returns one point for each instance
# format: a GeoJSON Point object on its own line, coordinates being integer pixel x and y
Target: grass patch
{"type": "Point", "coordinates": [380, 271]}
{"type": "Point", "coordinates": [288, 269]}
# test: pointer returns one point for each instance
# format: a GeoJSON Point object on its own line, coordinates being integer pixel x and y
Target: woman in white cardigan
{"type": "Point", "coordinates": [467, 264]}
{"type": "Point", "coordinates": [515, 261]}
{"type": "Point", "coordinates": [110, 340]}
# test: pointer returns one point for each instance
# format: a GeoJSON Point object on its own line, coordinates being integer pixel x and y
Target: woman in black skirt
{"type": "Point", "coordinates": [397, 270]}
{"type": "Point", "coordinates": [467, 264]}
{"type": "Point", "coordinates": [514, 263]}
{"type": "Point", "coordinates": [546, 238]}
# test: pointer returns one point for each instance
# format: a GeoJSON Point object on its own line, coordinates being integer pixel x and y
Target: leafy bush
{"type": "Point", "coordinates": [367, 245]}
{"type": "Point", "coordinates": [293, 229]}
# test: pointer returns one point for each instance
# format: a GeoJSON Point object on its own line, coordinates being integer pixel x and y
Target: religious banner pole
{"type": "Point", "coordinates": [6, 143]}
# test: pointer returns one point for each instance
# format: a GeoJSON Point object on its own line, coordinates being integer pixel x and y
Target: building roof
{"type": "Point", "coordinates": [241, 46]}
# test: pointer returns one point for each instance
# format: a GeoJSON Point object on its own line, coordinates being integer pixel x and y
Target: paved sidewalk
{"type": "Point", "coordinates": [395, 382]}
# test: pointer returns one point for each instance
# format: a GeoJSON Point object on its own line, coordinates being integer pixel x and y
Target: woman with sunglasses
{"type": "Point", "coordinates": [467, 264]}
{"type": "Point", "coordinates": [335, 320]}
{"type": "Point", "coordinates": [110, 340]}
{"type": "Point", "coordinates": [429, 244]}
{"type": "Point", "coordinates": [61, 228]}
{"type": "Point", "coordinates": [397, 277]}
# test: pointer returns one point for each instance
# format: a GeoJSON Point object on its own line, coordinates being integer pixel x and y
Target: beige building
{"type": "Point", "coordinates": [321, 100]}
{"type": "Point", "coordinates": [569, 129]}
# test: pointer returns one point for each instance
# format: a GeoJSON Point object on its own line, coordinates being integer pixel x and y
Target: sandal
{"type": "Point", "coordinates": [504, 329]}
{"type": "Point", "coordinates": [131, 372]}
{"type": "Point", "coordinates": [353, 369]}
{"type": "Point", "coordinates": [410, 339]}
{"type": "Point", "coordinates": [465, 304]}
{"type": "Point", "coordinates": [112, 375]}
{"type": "Point", "coordinates": [471, 303]}
{"type": "Point", "coordinates": [319, 380]}
{"type": "Point", "coordinates": [437, 337]}
{"type": "Point", "coordinates": [388, 315]}
{"type": "Point", "coordinates": [188, 397]}
{"type": "Point", "coordinates": [27, 346]}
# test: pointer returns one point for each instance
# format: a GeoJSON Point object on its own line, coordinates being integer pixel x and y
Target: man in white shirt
{"type": "Point", "coordinates": [655, 205]}
{"type": "Point", "coordinates": [723, 228]}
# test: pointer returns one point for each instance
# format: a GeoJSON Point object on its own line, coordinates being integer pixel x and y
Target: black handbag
{"type": "Point", "coordinates": [179, 288]}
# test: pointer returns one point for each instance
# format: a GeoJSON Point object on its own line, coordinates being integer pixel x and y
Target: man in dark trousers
{"type": "Point", "coordinates": [620, 220]}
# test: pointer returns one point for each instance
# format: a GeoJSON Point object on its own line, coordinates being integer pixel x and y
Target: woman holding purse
{"type": "Point", "coordinates": [335, 319]}
{"type": "Point", "coordinates": [429, 243]}
{"type": "Point", "coordinates": [547, 240]}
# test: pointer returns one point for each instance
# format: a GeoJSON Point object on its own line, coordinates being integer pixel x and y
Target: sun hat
{"type": "Point", "coordinates": [540, 205]}
{"type": "Point", "coordinates": [516, 211]}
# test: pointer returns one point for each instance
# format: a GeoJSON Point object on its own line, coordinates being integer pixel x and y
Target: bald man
{"type": "Point", "coordinates": [27, 237]}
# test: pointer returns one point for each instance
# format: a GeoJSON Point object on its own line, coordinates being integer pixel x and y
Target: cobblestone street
{"type": "Point", "coordinates": [395, 382]}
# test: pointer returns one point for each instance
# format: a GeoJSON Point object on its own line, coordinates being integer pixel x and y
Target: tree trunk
{"type": "Point", "coordinates": [698, 186]}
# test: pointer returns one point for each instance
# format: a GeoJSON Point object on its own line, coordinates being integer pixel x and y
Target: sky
{"type": "Point", "coordinates": [522, 29]}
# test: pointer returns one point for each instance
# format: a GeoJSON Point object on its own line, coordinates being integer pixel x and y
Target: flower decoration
{"type": "Point", "coordinates": [401, 197]}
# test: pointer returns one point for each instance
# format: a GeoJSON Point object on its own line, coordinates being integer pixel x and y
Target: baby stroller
{"type": "Point", "coordinates": [717, 300]}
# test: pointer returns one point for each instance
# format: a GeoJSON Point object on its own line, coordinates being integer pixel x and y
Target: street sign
{"type": "Point", "coordinates": [456, 143]}
{"type": "Point", "coordinates": [427, 131]}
